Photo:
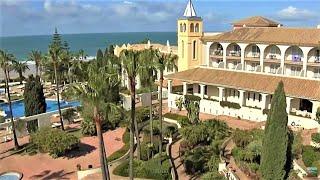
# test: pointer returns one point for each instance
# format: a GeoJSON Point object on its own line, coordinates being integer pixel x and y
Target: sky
{"type": "Point", "coordinates": [40, 17]}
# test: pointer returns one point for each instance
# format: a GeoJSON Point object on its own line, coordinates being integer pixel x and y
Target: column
{"type": "Point", "coordinates": [242, 50]}
{"type": "Point", "coordinates": [283, 54]}
{"type": "Point", "coordinates": [208, 53]}
{"type": "Point", "coordinates": [202, 86]}
{"type": "Point", "coordinates": [169, 86]}
{"type": "Point", "coordinates": [264, 104]}
{"type": "Point", "coordinates": [305, 51]}
{"type": "Point", "coordinates": [262, 47]}
{"type": "Point", "coordinates": [185, 88]}
{"type": "Point", "coordinates": [242, 97]}
{"type": "Point", "coordinates": [221, 93]}
{"type": "Point", "coordinates": [288, 100]}
{"type": "Point", "coordinates": [224, 46]}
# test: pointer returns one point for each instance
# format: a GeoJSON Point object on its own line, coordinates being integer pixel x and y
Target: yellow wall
{"type": "Point", "coordinates": [185, 43]}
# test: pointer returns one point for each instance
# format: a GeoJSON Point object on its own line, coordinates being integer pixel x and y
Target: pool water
{"type": "Point", "coordinates": [52, 105]}
{"type": "Point", "coordinates": [10, 176]}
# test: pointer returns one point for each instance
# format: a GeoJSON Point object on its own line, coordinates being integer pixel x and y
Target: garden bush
{"type": "Point", "coordinates": [194, 161]}
{"type": "Point", "coordinates": [54, 141]}
{"type": "Point", "coordinates": [310, 155]}
{"type": "Point", "coordinates": [148, 169]}
{"type": "Point", "coordinates": [88, 127]}
{"type": "Point", "coordinates": [316, 137]}
{"type": "Point", "coordinates": [231, 105]}
{"type": "Point", "coordinates": [142, 114]}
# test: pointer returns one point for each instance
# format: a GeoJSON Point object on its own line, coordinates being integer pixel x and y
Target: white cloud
{"type": "Point", "coordinates": [295, 14]}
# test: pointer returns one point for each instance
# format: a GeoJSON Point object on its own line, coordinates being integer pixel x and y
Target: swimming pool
{"type": "Point", "coordinates": [52, 105]}
{"type": "Point", "coordinates": [11, 176]}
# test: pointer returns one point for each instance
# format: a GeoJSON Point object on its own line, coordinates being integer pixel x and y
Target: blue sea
{"type": "Point", "coordinates": [21, 46]}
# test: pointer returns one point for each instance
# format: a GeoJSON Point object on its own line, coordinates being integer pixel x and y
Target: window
{"type": "Point", "coordinates": [194, 49]}
{"type": "Point", "coordinates": [260, 97]}
{"type": "Point", "coordinates": [255, 51]}
{"type": "Point", "coordinates": [254, 96]}
{"type": "Point", "coordinates": [248, 95]}
{"type": "Point", "coordinates": [199, 89]}
{"type": "Point", "coordinates": [236, 48]}
{"type": "Point", "coordinates": [254, 66]}
{"type": "Point", "coordinates": [273, 50]}
{"type": "Point", "coordinates": [206, 90]}
{"type": "Point", "coordinates": [197, 27]}
{"type": "Point", "coordinates": [191, 27]}
{"type": "Point", "coordinates": [181, 27]}
{"type": "Point", "coordinates": [274, 68]}
{"type": "Point", "coordinates": [184, 27]}
{"type": "Point", "coordinates": [295, 71]}
{"type": "Point", "coordinates": [234, 93]}
{"type": "Point", "coordinates": [182, 42]}
{"type": "Point", "coordinates": [316, 73]}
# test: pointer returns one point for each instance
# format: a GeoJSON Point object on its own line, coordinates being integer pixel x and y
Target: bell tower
{"type": "Point", "coordinates": [190, 31]}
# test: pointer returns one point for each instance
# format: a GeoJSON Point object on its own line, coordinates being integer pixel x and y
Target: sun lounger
{"type": "Point", "coordinates": [55, 125]}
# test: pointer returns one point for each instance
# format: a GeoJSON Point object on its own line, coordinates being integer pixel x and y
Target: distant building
{"type": "Point", "coordinates": [242, 68]}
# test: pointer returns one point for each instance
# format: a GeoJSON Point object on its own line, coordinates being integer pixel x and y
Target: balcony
{"type": "Point", "coordinates": [234, 53]}
{"type": "Point", "coordinates": [314, 62]}
{"type": "Point", "coordinates": [295, 60]}
{"type": "Point", "coordinates": [272, 58]}
{"type": "Point", "coordinates": [254, 56]}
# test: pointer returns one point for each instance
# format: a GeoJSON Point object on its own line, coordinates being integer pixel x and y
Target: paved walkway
{"type": "Point", "coordinates": [42, 166]}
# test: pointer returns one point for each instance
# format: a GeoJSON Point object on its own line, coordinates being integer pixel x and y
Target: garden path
{"type": "Point", "coordinates": [42, 166]}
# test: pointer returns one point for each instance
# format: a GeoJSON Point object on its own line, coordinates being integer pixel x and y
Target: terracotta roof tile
{"type": "Point", "coordinates": [285, 36]}
{"type": "Point", "coordinates": [294, 87]}
{"type": "Point", "coordinates": [257, 21]}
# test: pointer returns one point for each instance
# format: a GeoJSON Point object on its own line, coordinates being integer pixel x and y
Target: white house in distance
{"type": "Point", "coordinates": [236, 72]}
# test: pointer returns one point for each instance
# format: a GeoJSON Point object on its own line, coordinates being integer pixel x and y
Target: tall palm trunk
{"type": "Point", "coordinates": [58, 97]}
{"type": "Point", "coordinates": [133, 115]}
{"type": "Point", "coordinates": [160, 113]}
{"type": "Point", "coordinates": [133, 103]}
{"type": "Point", "coordinates": [104, 167]}
{"type": "Point", "coordinates": [37, 68]}
{"type": "Point", "coordinates": [16, 144]}
{"type": "Point", "coordinates": [20, 76]}
{"type": "Point", "coordinates": [151, 119]}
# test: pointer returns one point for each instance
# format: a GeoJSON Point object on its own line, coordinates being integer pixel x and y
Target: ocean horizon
{"type": "Point", "coordinates": [21, 46]}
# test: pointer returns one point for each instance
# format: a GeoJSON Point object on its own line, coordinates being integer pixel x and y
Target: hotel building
{"type": "Point", "coordinates": [235, 73]}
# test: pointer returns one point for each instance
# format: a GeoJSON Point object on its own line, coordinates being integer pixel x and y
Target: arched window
{"type": "Point", "coordinates": [194, 49]}
{"type": "Point", "coordinates": [181, 27]}
{"type": "Point", "coordinates": [184, 27]}
{"type": "Point", "coordinates": [197, 27]}
{"type": "Point", "coordinates": [182, 45]}
{"type": "Point", "coordinates": [191, 27]}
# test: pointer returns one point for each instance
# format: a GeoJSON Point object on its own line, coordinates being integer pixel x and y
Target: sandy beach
{"type": "Point", "coordinates": [13, 74]}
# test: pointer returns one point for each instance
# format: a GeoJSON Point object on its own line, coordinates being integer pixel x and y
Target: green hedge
{"type": "Point", "coordinates": [230, 104]}
{"type": "Point", "coordinates": [146, 169]}
{"type": "Point", "coordinates": [125, 148]}
{"type": "Point", "coordinates": [316, 137]}
{"type": "Point", "coordinates": [54, 141]}
{"type": "Point", "coordinates": [182, 120]}
{"type": "Point", "coordinates": [310, 155]}
{"type": "Point", "coordinates": [192, 98]}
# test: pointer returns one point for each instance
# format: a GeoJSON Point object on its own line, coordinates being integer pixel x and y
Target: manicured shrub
{"type": "Point", "coordinates": [54, 141]}
{"type": "Point", "coordinates": [316, 137]}
{"type": "Point", "coordinates": [142, 114]}
{"type": "Point", "coordinates": [310, 155]}
{"type": "Point", "coordinates": [88, 127]}
{"type": "Point", "coordinates": [231, 105]}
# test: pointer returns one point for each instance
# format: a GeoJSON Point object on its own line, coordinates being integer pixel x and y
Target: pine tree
{"type": "Point", "coordinates": [56, 39]}
{"type": "Point", "coordinates": [34, 99]}
{"type": "Point", "coordinates": [274, 161]}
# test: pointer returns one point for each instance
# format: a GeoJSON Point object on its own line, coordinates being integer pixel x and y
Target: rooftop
{"type": "Point", "coordinates": [281, 35]}
{"type": "Point", "coordinates": [294, 87]}
{"type": "Point", "coordinates": [256, 21]}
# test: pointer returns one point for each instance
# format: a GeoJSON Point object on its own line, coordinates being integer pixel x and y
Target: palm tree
{"type": "Point", "coordinates": [146, 74]}
{"type": "Point", "coordinates": [93, 92]}
{"type": "Point", "coordinates": [164, 61]}
{"type": "Point", "coordinates": [5, 60]}
{"type": "Point", "coordinates": [36, 56]}
{"type": "Point", "coordinates": [131, 64]}
{"type": "Point", "coordinates": [54, 52]}
{"type": "Point", "coordinates": [20, 68]}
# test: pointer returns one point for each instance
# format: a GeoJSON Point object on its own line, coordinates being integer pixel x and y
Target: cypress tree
{"type": "Point", "coordinates": [99, 55]}
{"type": "Point", "coordinates": [34, 99]}
{"type": "Point", "coordinates": [274, 161]}
{"type": "Point", "coordinates": [56, 39]}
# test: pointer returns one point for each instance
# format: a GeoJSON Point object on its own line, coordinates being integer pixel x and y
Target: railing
{"type": "Point", "coordinates": [234, 53]}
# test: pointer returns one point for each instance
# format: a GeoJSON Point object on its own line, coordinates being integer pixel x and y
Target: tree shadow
{"type": "Point", "coordinates": [81, 150]}
{"type": "Point", "coordinates": [47, 174]}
